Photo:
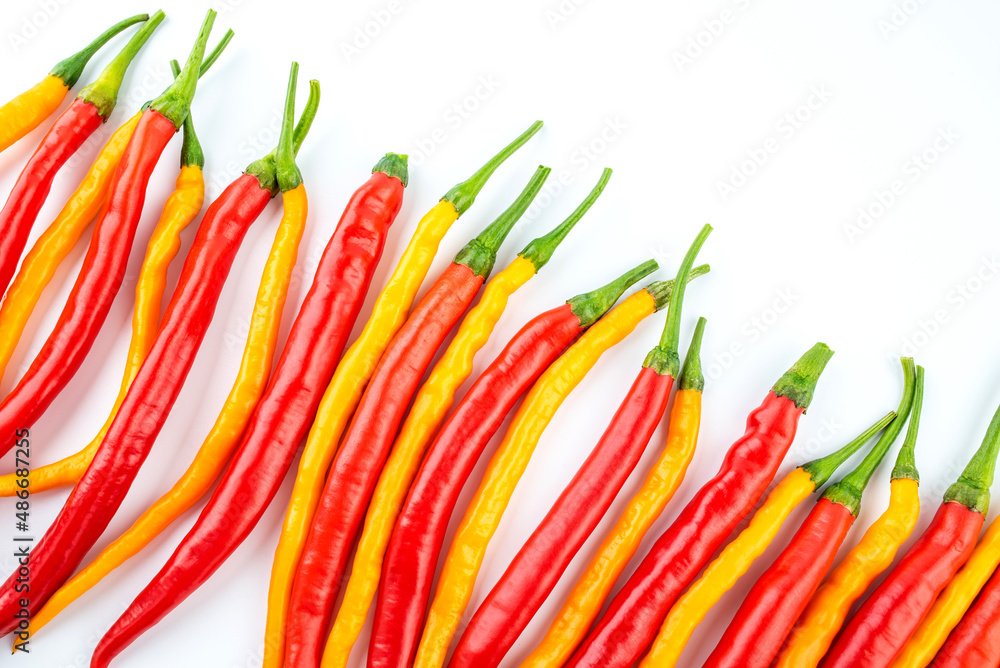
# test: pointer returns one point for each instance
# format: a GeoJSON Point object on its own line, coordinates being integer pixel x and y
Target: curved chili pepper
{"type": "Point", "coordinates": [181, 208]}
{"type": "Point", "coordinates": [90, 108]}
{"type": "Point", "coordinates": [97, 496]}
{"type": "Point", "coordinates": [737, 557]}
{"type": "Point", "coordinates": [221, 441]}
{"type": "Point", "coordinates": [763, 621]}
{"type": "Point", "coordinates": [430, 405]}
{"type": "Point", "coordinates": [953, 602]}
{"type": "Point", "coordinates": [104, 266]}
{"type": "Point", "coordinates": [345, 389]}
{"type": "Point", "coordinates": [412, 555]}
{"type": "Point", "coordinates": [540, 563]}
{"type": "Point", "coordinates": [467, 550]}
{"type": "Point", "coordinates": [26, 111]}
{"type": "Point", "coordinates": [975, 642]}
{"type": "Point", "coordinates": [824, 616]}
{"type": "Point", "coordinates": [355, 469]}
{"type": "Point", "coordinates": [630, 624]}
{"type": "Point", "coordinates": [887, 619]}
{"type": "Point", "coordinates": [283, 415]}
{"type": "Point", "coordinates": [584, 602]}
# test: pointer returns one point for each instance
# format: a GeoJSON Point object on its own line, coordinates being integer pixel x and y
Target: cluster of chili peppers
{"type": "Point", "coordinates": [388, 449]}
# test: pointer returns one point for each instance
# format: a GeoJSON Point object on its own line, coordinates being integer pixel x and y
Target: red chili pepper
{"type": "Point", "coordinates": [87, 112]}
{"type": "Point", "coordinates": [537, 567]}
{"type": "Point", "coordinates": [282, 418]}
{"type": "Point", "coordinates": [887, 619]}
{"type": "Point", "coordinates": [779, 596]}
{"type": "Point", "coordinates": [975, 642]}
{"type": "Point", "coordinates": [99, 493]}
{"type": "Point", "coordinates": [366, 444]}
{"type": "Point", "coordinates": [412, 554]}
{"type": "Point", "coordinates": [635, 614]}
{"type": "Point", "coordinates": [104, 266]}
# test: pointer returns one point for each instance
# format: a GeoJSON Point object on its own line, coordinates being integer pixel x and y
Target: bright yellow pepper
{"type": "Point", "coordinates": [584, 602]}
{"type": "Point", "coordinates": [26, 111]}
{"type": "Point", "coordinates": [48, 252]}
{"type": "Point", "coordinates": [465, 556]}
{"type": "Point", "coordinates": [720, 576]}
{"type": "Point", "coordinates": [737, 557]}
{"type": "Point", "coordinates": [816, 628]}
{"type": "Point", "coordinates": [222, 440]}
{"type": "Point", "coordinates": [348, 384]}
{"type": "Point", "coordinates": [952, 603]}
{"type": "Point", "coordinates": [181, 208]}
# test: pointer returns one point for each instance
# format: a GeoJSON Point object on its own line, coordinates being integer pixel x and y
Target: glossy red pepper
{"type": "Point", "coordinates": [104, 266]}
{"type": "Point", "coordinates": [282, 418]}
{"type": "Point", "coordinates": [537, 567]}
{"type": "Point", "coordinates": [771, 608]}
{"type": "Point", "coordinates": [412, 554]}
{"type": "Point", "coordinates": [635, 614]}
{"type": "Point", "coordinates": [87, 112]}
{"type": "Point", "coordinates": [887, 619]}
{"type": "Point", "coordinates": [975, 642]}
{"type": "Point", "coordinates": [362, 453]}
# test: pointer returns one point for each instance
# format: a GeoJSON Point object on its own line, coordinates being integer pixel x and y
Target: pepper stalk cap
{"type": "Point", "coordinates": [71, 69]}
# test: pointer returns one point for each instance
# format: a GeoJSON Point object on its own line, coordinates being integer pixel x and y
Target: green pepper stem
{"type": "Point", "coordinates": [822, 469]}
{"type": "Point", "coordinates": [665, 357]}
{"type": "Point", "coordinates": [103, 92]}
{"type": "Point", "coordinates": [175, 101]}
{"type": "Point", "coordinates": [480, 254]}
{"type": "Point", "coordinates": [191, 151]}
{"type": "Point", "coordinates": [288, 175]}
{"type": "Point", "coordinates": [848, 491]}
{"type": "Point", "coordinates": [590, 306]}
{"type": "Point", "coordinates": [307, 117]}
{"type": "Point", "coordinates": [906, 463]}
{"type": "Point", "coordinates": [210, 59]}
{"type": "Point", "coordinates": [463, 195]}
{"type": "Point", "coordinates": [71, 69]}
{"type": "Point", "coordinates": [799, 383]}
{"type": "Point", "coordinates": [972, 489]}
{"type": "Point", "coordinates": [540, 251]}
{"type": "Point", "coordinates": [394, 165]}
{"type": "Point", "coordinates": [691, 376]}
{"type": "Point", "coordinates": [662, 291]}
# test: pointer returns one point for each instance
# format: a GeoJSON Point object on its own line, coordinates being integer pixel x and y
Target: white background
{"type": "Point", "coordinates": [611, 79]}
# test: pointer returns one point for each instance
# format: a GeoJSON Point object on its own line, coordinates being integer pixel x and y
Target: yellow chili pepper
{"type": "Point", "coordinates": [45, 256]}
{"type": "Point", "coordinates": [430, 406]}
{"type": "Point", "coordinates": [584, 602]}
{"type": "Point", "coordinates": [465, 556]}
{"type": "Point", "coordinates": [822, 619]}
{"type": "Point", "coordinates": [26, 111]}
{"type": "Point", "coordinates": [737, 557]}
{"type": "Point", "coordinates": [348, 384]}
{"type": "Point", "coordinates": [225, 435]}
{"type": "Point", "coordinates": [952, 604]}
